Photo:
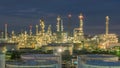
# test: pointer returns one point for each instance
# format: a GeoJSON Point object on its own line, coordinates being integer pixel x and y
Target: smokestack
{"type": "Point", "coordinates": [30, 30]}
{"type": "Point", "coordinates": [6, 31]}
{"type": "Point", "coordinates": [36, 29]}
{"type": "Point", "coordinates": [107, 25]}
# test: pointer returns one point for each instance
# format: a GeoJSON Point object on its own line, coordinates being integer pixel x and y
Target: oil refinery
{"type": "Point", "coordinates": [49, 40]}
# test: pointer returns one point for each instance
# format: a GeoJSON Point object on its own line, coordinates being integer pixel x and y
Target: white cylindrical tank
{"type": "Point", "coordinates": [2, 60]}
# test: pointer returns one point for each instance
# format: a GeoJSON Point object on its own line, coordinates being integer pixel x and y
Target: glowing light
{"type": "Point", "coordinates": [69, 15]}
{"type": "Point", "coordinates": [58, 18]}
{"type": "Point", "coordinates": [81, 16]}
{"type": "Point", "coordinates": [59, 50]}
{"type": "Point", "coordinates": [107, 17]}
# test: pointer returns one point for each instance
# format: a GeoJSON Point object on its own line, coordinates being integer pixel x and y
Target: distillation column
{"type": "Point", "coordinates": [62, 25]}
{"type": "Point", "coordinates": [81, 24]}
{"type": "Point", "coordinates": [36, 29]}
{"type": "Point", "coordinates": [58, 23]}
{"type": "Point", "coordinates": [30, 30]}
{"type": "Point", "coordinates": [42, 24]}
{"type": "Point", "coordinates": [107, 25]}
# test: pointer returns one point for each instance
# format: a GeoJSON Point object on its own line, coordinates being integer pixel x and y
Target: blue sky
{"type": "Point", "coordinates": [19, 14]}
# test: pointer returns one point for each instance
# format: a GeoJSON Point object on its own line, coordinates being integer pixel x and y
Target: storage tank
{"type": "Point", "coordinates": [2, 60]}
{"type": "Point", "coordinates": [2, 55]}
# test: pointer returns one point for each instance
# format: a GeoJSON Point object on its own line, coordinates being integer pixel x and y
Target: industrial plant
{"type": "Point", "coordinates": [58, 43]}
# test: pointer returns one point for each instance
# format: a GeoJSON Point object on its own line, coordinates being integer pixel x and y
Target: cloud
{"type": "Point", "coordinates": [27, 10]}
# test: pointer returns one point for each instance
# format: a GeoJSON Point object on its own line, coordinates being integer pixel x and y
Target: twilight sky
{"type": "Point", "coordinates": [19, 14]}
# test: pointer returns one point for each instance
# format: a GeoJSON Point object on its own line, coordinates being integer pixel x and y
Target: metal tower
{"type": "Point", "coordinates": [6, 31]}
{"type": "Point", "coordinates": [30, 30]}
{"type": "Point", "coordinates": [58, 23]}
{"type": "Point", "coordinates": [42, 24]}
{"type": "Point", "coordinates": [81, 24]}
{"type": "Point", "coordinates": [36, 29]}
{"type": "Point", "coordinates": [107, 24]}
{"type": "Point", "coordinates": [49, 31]}
{"type": "Point", "coordinates": [62, 25]}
